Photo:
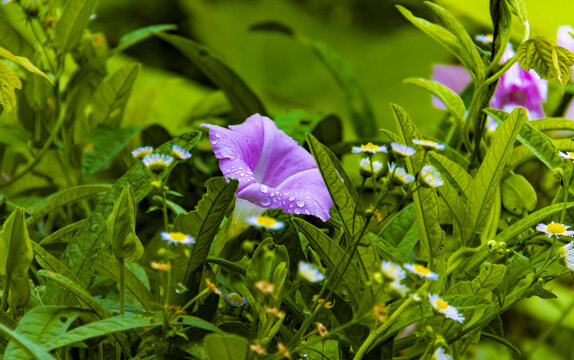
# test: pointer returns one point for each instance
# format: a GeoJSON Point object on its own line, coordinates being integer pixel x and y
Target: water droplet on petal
{"type": "Point", "coordinates": [180, 288]}
{"type": "Point", "coordinates": [307, 212]}
{"type": "Point", "coordinates": [227, 152]}
{"type": "Point", "coordinates": [300, 203]}
{"type": "Point", "coordinates": [214, 142]}
{"type": "Point", "coordinates": [297, 211]}
{"type": "Point", "coordinates": [291, 198]}
{"type": "Point", "coordinates": [265, 201]}
{"type": "Point", "coordinates": [264, 189]}
{"type": "Point", "coordinates": [217, 135]}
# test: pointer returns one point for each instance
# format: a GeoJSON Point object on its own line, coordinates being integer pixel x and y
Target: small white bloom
{"type": "Point", "coordinates": [399, 174]}
{"type": "Point", "coordinates": [397, 289]}
{"type": "Point", "coordinates": [555, 229]}
{"type": "Point", "coordinates": [568, 155]}
{"type": "Point", "coordinates": [265, 222]}
{"type": "Point", "coordinates": [141, 152]}
{"type": "Point", "coordinates": [429, 144]}
{"type": "Point", "coordinates": [180, 153]}
{"type": "Point", "coordinates": [430, 176]}
{"type": "Point", "coordinates": [402, 150]}
{"type": "Point", "coordinates": [392, 272]}
{"type": "Point", "coordinates": [157, 163]}
{"type": "Point", "coordinates": [442, 307]}
{"type": "Point", "coordinates": [421, 271]}
{"type": "Point", "coordinates": [566, 252]}
{"type": "Point", "coordinates": [440, 354]}
{"type": "Point", "coordinates": [177, 238]}
{"type": "Point", "coordinates": [486, 39]}
{"type": "Point", "coordinates": [310, 272]}
{"type": "Point", "coordinates": [369, 148]}
{"type": "Point", "coordinates": [365, 167]}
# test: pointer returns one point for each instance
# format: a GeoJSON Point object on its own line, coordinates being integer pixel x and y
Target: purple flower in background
{"type": "Point", "coordinates": [515, 88]}
{"type": "Point", "coordinates": [567, 41]}
{"type": "Point", "coordinates": [273, 170]}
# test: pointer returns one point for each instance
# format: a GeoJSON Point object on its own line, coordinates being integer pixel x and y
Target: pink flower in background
{"type": "Point", "coordinates": [515, 88]}
{"type": "Point", "coordinates": [567, 41]}
{"type": "Point", "coordinates": [273, 170]}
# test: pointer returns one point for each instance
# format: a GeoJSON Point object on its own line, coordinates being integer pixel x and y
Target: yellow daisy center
{"type": "Point", "coordinates": [177, 236]}
{"type": "Point", "coordinates": [429, 176]}
{"type": "Point", "coordinates": [440, 304]}
{"type": "Point", "coordinates": [570, 153]}
{"type": "Point", "coordinates": [266, 221]}
{"type": "Point", "coordinates": [421, 269]}
{"type": "Point", "coordinates": [370, 146]}
{"type": "Point", "coordinates": [554, 228]}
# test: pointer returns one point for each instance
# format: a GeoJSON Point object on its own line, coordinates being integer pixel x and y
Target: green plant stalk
{"type": "Point", "coordinates": [5, 293]}
{"type": "Point", "coordinates": [122, 285]}
{"type": "Point", "coordinates": [374, 334]}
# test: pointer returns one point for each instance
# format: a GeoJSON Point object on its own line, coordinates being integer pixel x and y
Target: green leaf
{"type": "Point", "coordinates": [552, 124]}
{"type": "Point", "coordinates": [84, 250]}
{"type": "Point", "coordinates": [34, 351]}
{"type": "Point", "coordinates": [450, 99]}
{"type": "Point", "coordinates": [226, 347]}
{"type": "Point", "coordinates": [546, 58]}
{"type": "Point", "coordinates": [400, 225]}
{"type": "Point", "coordinates": [343, 201]}
{"type": "Point", "coordinates": [14, 135]}
{"type": "Point", "coordinates": [537, 142]}
{"type": "Point", "coordinates": [487, 280]}
{"type": "Point", "coordinates": [359, 106]}
{"type": "Point", "coordinates": [487, 179]}
{"type": "Point", "coordinates": [64, 198]}
{"type": "Point", "coordinates": [15, 34]}
{"type": "Point", "coordinates": [502, 20]}
{"type": "Point", "coordinates": [84, 298]}
{"type": "Point", "coordinates": [41, 325]}
{"type": "Point", "coordinates": [502, 341]}
{"type": "Point", "coordinates": [109, 100]}
{"type": "Point", "coordinates": [50, 262]}
{"type": "Point", "coordinates": [141, 34]}
{"type": "Point", "coordinates": [456, 28]}
{"type": "Point", "coordinates": [121, 225]}
{"type": "Point", "coordinates": [243, 99]}
{"type": "Point", "coordinates": [455, 174]}
{"type": "Point", "coordinates": [466, 302]}
{"type": "Point", "coordinates": [204, 222]}
{"type": "Point", "coordinates": [23, 62]}
{"type": "Point", "coordinates": [389, 251]}
{"type": "Point", "coordinates": [425, 199]}
{"type": "Point", "coordinates": [16, 250]}
{"type": "Point", "coordinates": [518, 8]}
{"type": "Point", "coordinates": [332, 255]}
{"type": "Point", "coordinates": [9, 81]}
{"type": "Point", "coordinates": [518, 195]}
{"type": "Point", "coordinates": [72, 23]}
{"type": "Point", "coordinates": [444, 37]}
{"type": "Point", "coordinates": [66, 230]}
{"type": "Point", "coordinates": [103, 145]}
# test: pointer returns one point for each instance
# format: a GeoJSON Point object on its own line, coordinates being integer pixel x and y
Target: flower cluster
{"type": "Point", "coordinates": [157, 163]}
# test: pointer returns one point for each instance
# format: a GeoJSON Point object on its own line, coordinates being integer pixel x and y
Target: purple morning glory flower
{"type": "Point", "coordinates": [515, 88]}
{"type": "Point", "coordinates": [273, 170]}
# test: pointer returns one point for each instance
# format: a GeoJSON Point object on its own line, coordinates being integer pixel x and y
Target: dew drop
{"type": "Point", "coordinates": [291, 198]}
{"type": "Point", "coordinates": [180, 288]}
{"type": "Point", "coordinates": [307, 212]}
{"type": "Point", "coordinates": [217, 135]}
{"type": "Point", "coordinates": [297, 211]}
{"type": "Point", "coordinates": [264, 189]}
{"type": "Point", "coordinates": [214, 142]}
{"type": "Point", "coordinates": [265, 201]}
{"type": "Point", "coordinates": [300, 203]}
{"type": "Point", "coordinates": [227, 152]}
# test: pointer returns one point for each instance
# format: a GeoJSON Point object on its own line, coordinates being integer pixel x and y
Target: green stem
{"type": "Point", "coordinates": [164, 208]}
{"type": "Point", "coordinates": [4, 304]}
{"type": "Point", "coordinates": [501, 71]}
{"type": "Point", "coordinates": [122, 287]}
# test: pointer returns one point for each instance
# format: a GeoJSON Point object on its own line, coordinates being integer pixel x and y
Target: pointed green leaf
{"type": "Point", "coordinates": [546, 58]}
{"type": "Point", "coordinates": [141, 34]}
{"type": "Point", "coordinates": [15, 34]}
{"type": "Point", "coordinates": [49, 262]}
{"type": "Point", "coordinates": [243, 99]}
{"type": "Point", "coordinates": [121, 225]}
{"type": "Point", "coordinates": [30, 348]}
{"type": "Point", "coordinates": [15, 245]}
{"type": "Point", "coordinates": [552, 124]}
{"type": "Point", "coordinates": [425, 199]}
{"type": "Point", "coordinates": [487, 280]}
{"type": "Point", "coordinates": [518, 195]}
{"type": "Point", "coordinates": [23, 62]}
{"type": "Point", "coordinates": [109, 100]}
{"type": "Point", "coordinates": [450, 99]}
{"type": "Point", "coordinates": [400, 225]}
{"type": "Point", "coordinates": [343, 201]}
{"type": "Point", "coordinates": [455, 174]}
{"type": "Point", "coordinates": [41, 325]}
{"type": "Point", "coordinates": [9, 82]}
{"type": "Point", "coordinates": [332, 255]}
{"type": "Point", "coordinates": [487, 179]}
{"type": "Point", "coordinates": [64, 198]}
{"type": "Point", "coordinates": [72, 23]}
{"type": "Point", "coordinates": [204, 222]}
{"type": "Point", "coordinates": [226, 347]}
{"type": "Point", "coordinates": [103, 145]}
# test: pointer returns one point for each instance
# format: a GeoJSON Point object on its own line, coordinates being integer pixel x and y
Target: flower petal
{"type": "Point", "coordinates": [454, 77]}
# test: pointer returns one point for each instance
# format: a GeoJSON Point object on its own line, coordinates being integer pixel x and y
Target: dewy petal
{"type": "Point", "coordinates": [274, 171]}
{"type": "Point", "coordinates": [454, 77]}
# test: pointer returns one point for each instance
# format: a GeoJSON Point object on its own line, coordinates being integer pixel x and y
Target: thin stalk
{"type": "Point", "coordinates": [122, 285]}
{"type": "Point", "coordinates": [4, 304]}
{"type": "Point", "coordinates": [358, 202]}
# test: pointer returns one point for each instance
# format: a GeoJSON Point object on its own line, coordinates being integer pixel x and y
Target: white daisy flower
{"type": "Point", "coordinates": [566, 252]}
{"type": "Point", "coordinates": [392, 272]}
{"type": "Point", "coordinates": [421, 271]}
{"type": "Point", "coordinates": [568, 155]}
{"type": "Point", "coordinates": [399, 174]}
{"type": "Point", "coordinates": [555, 229]}
{"type": "Point", "coordinates": [157, 163]}
{"type": "Point", "coordinates": [310, 272]}
{"type": "Point", "coordinates": [397, 289]}
{"type": "Point", "coordinates": [141, 152]}
{"type": "Point", "coordinates": [265, 222]}
{"type": "Point", "coordinates": [440, 354]}
{"type": "Point", "coordinates": [430, 177]}
{"type": "Point", "coordinates": [402, 150]}
{"type": "Point", "coordinates": [180, 153]}
{"type": "Point", "coordinates": [486, 39]}
{"type": "Point", "coordinates": [442, 307]}
{"type": "Point", "coordinates": [365, 167]}
{"type": "Point", "coordinates": [369, 148]}
{"type": "Point", "coordinates": [177, 238]}
{"type": "Point", "coordinates": [429, 144]}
